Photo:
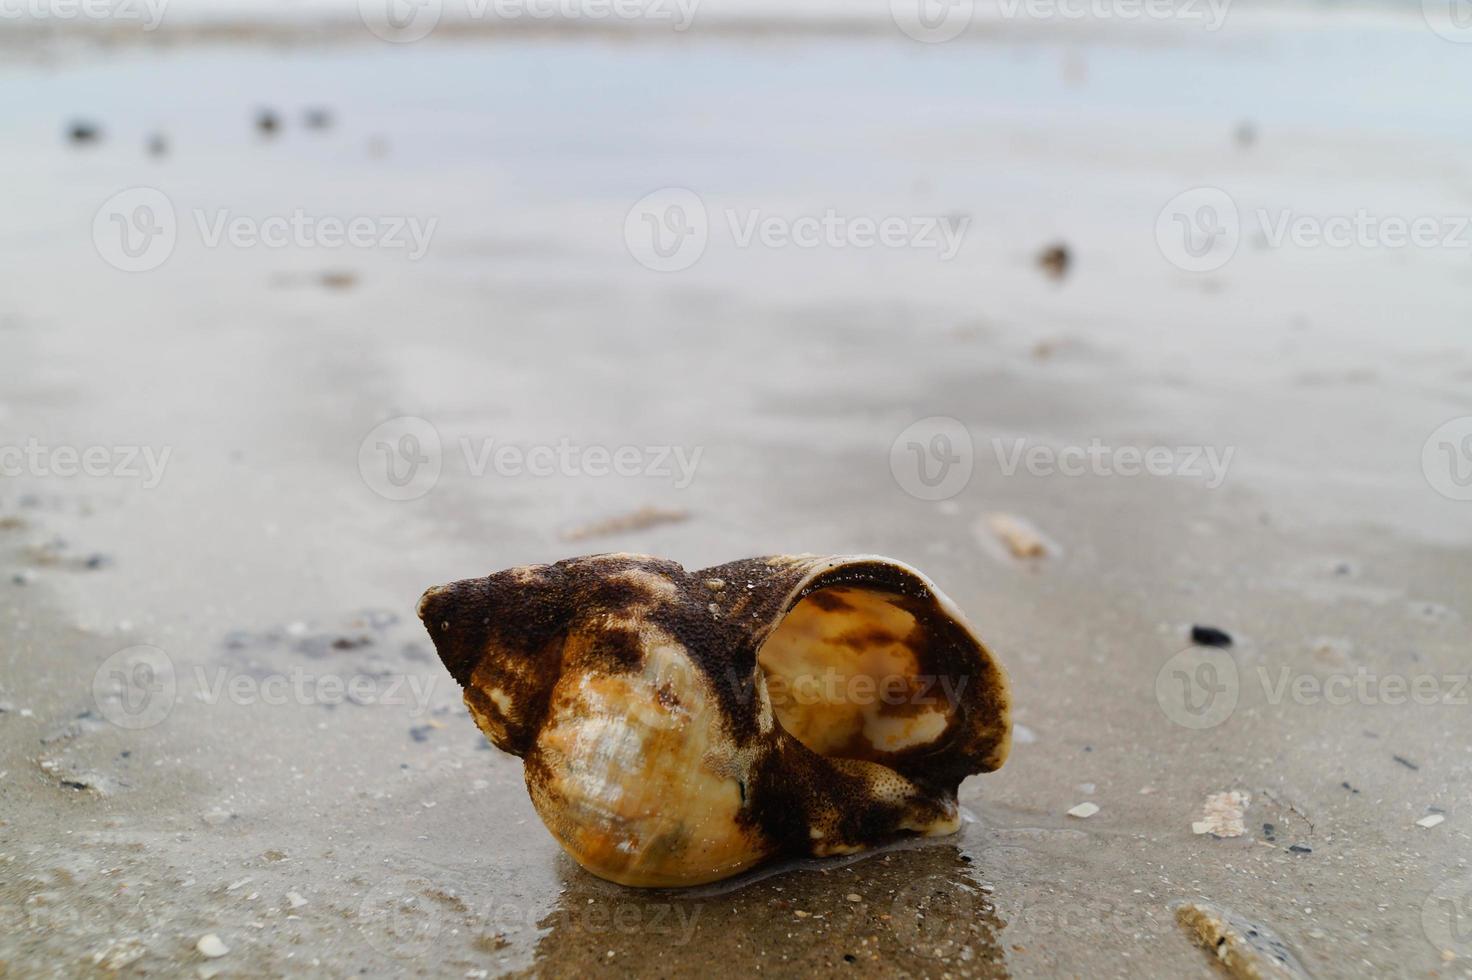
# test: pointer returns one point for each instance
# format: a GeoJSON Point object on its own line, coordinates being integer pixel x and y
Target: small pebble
{"type": "Point", "coordinates": [211, 946]}
{"type": "Point", "coordinates": [1300, 849]}
{"type": "Point", "coordinates": [1084, 810]}
{"type": "Point", "coordinates": [854, 897]}
{"type": "Point", "coordinates": [1210, 636]}
{"type": "Point", "coordinates": [295, 900]}
{"type": "Point", "coordinates": [84, 132]}
{"type": "Point", "coordinates": [1055, 260]}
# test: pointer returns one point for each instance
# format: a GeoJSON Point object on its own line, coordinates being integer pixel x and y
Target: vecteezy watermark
{"type": "Point", "coordinates": [1199, 230]}
{"type": "Point", "coordinates": [1449, 19]}
{"type": "Point", "coordinates": [1446, 916]}
{"type": "Point", "coordinates": [668, 230]}
{"type": "Point", "coordinates": [831, 687]}
{"type": "Point", "coordinates": [139, 687]}
{"type": "Point", "coordinates": [404, 916]}
{"type": "Point", "coordinates": [1446, 459]}
{"type": "Point", "coordinates": [933, 458]}
{"type": "Point", "coordinates": [938, 21]}
{"type": "Point", "coordinates": [405, 21]}
{"type": "Point", "coordinates": [149, 13]}
{"type": "Point", "coordinates": [402, 459]}
{"type": "Point", "coordinates": [1098, 459]}
{"type": "Point", "coordinates": [1200, 687]}
{"type": "Point", "coordinates": [35, 458]}
{"type": "Point", "coordinates": [136, 687]}
{"type": "Point", "coordinates": [137, 230]}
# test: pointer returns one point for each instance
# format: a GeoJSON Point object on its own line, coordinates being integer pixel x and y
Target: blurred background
{"type": "Point", "coordinates": [1139, 326]}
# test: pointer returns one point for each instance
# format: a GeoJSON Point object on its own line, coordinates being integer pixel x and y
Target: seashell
{"type": "Point", "coordinates": [678, 728]}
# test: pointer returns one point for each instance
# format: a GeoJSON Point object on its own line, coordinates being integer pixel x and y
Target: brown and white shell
{"type": "Point", "coordinates": [679, 727]}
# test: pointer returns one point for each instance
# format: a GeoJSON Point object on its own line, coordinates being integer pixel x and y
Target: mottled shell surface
{"type": "Point", "coordinates": [681, 727]}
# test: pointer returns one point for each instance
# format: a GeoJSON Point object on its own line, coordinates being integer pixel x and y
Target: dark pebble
{"type": "Point", "coordinates": [1055, 260]}
{"type": "Point", "coordinates": [1210, 636]}
{"type": "Point", "coordinates": [1300, 849]}
{"type": "Point", "coordinates": [420, 733]}
{"type": "Point", "coordinates": [95, 562]}
{"type": "Point", "coordinates": [82, 132]}
{"type": "Point", "coordinates": [267, 122]}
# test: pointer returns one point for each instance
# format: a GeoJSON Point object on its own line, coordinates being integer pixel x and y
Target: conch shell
{"type": "Point", "coordinates": [678, 728]}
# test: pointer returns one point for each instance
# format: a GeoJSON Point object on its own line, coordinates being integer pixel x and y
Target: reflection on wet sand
{"type": "Point", "coordinates": [918, 910]}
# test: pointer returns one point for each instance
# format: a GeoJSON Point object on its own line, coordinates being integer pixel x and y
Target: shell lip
{"type": "Point", "coordinates": [879, 571]}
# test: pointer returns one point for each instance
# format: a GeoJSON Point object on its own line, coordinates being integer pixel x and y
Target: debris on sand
{"type": "Point", "coordinates": [1210, 636]}
{"type": "Point", "coordinates": [1055, 260]}
{"type": "Point", "coordinates": [644, 517]}
{"type": "Point", "coordinates": [1019, 535]}
{"type": "Point", "coordinates": [82, 133]}
{"type": "Point", "coordinates": [317, 118]}
{"type": "Point", "coordinates": [1430, 821]}
{"type": "Point", "coordinates": [1245, 949]}
{"type": "Point", "coordinates": [211, 946]}
{"type": "Point", "coordinates": [1246, 134]}
{"type": "Point", "coordinates": [119, 953]}
{"type": "Point", "coordinates": [158, 145]}
{"type": "Point", "coordinates": [338, 280]}
{"type": "Point", "coordinates": [1222, 814]}
{"type": "Point", "coordinates": [1406, 762]}
{"type": "Point", "coordinates": [267, 122]}
{"type": "Point", "coordinates": [1084, 810]}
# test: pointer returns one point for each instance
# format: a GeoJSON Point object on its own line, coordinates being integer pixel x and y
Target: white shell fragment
{"type": "Point", "coordinates": [1084, 810]}
{"type": "Point", "coordinates": [1222, 814]}
{"type": "Point", "coordinates": [211, 946]}
{"type": "Point", "coordinates": [1431, 821]}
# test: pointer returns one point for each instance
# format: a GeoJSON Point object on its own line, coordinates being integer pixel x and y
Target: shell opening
{"type": "Point", "coordinates": [846, 671]}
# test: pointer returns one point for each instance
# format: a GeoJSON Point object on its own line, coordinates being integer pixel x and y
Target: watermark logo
{"type": "Point", "coordinates": [1097, 459]}
{"type": "Point", "coordinates": [1449, 19]}
{"type": "Point", "coordinates": [135, 688]}
{"type": "Point", "coordinates": [149, 13]}
{"type": "Point", "coordinates": [1199, 230]}
{"type": "Point", "coordinates": [405, 21]}
{"type": "Point", "coordinates": [1446, 459]}
{"type": "Point", "coordinates": [35, 458]}
{"type": "Point", "coordinates": [933, 459]}
{"type": "Point", "coordinates": [1210, 13]}
{"type": "Point", "coordinates": [136, 229]}
{"type": "Point", "coordinates": [667, 231]}
{"type": "Point", "coordinates": [401, 458]}
{"type": "Point", "coordinates": [932, 21]}
{"type": "Point", "coordinates": [1198, 688]}
{"type": "Point", "coordinates": [400, 918]}
{"type": "Point", "coordinates": [1446, 916]}
{"type": "Point", "coordinates": [400, 21]}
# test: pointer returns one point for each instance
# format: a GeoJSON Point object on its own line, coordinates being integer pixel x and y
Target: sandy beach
{"type": "Point", "coordinates": [527, 252]}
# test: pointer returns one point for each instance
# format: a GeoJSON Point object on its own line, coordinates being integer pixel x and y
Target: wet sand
{"type": "Point", "coordinates": [363, 825]}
